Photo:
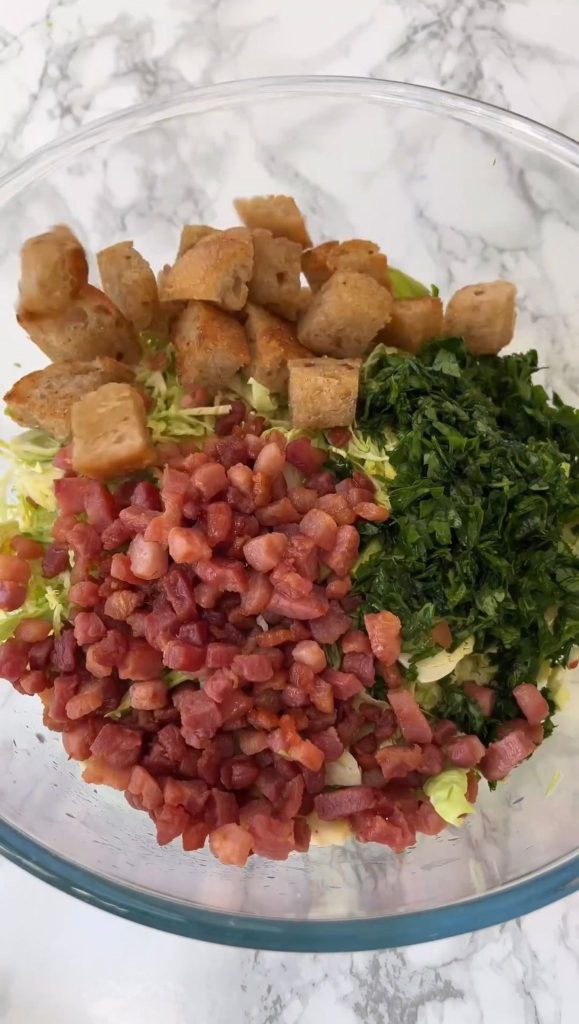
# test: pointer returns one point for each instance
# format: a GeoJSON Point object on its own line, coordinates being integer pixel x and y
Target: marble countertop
{"type": "Point", "coordinates": [63, 63]}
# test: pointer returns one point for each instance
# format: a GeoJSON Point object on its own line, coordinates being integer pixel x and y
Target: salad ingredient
{"type": "Point", "coordinates": [53, 271]}
{"type": "Point", "coordinates": [278, 214]}
{"type": "Point", "coordinates": [275, 282]}
{"type": "Point", "coordinates": [130, 283]}
{"type": "Point", "coordinates": [413, 322]}
{"type": "Point", "coordinates": [482, 314]}
{"type": "Point", "coordinates": [216, 269]}
{"type": "Point", "coordinates": [323, 392]}
{"type": "Point", "coordinates": [110, 433]}
{"type": "Point", "coordinates": [272, 343]}
{"type": "Point", "coordinates": [345, 315]}
{"type": "Point", "coordinates": [210, 347]}
{"type": "Point", "coordinates": [193, 233]}
{"type": "Point", "coordinates": [319, 263]}
{"type": "Point", "coordinates": [44, 398]}
{"type": "Point", "coordinates": [448, 794]}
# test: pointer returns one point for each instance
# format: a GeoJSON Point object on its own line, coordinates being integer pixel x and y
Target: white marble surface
{"type": "Point", "coordinates": [62, 63]}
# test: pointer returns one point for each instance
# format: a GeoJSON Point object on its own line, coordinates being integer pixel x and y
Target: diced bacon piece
{"type": "Point", "coordinates": [148, 560]}
{"type": "Point", "coordinates": [84, 594]}
{"type": "Point", "coordinates": [302, 454]}
{"type": "Point", "coordinates": [265, 552]}
{"type": "Point", "coordinates": [89, 698]}
{"type": "Point", "coordinates": [505, 754]}
{"type": "Point", "coordinates": [290, 583]}
{"type": "Point", "coordinates": [342, 558]}
{"type": "Point", "coordinates": [338, 588]}
{"type": "Point", "coordinates": [271, 838]}
{"type": "Point", "coordinates": [219, 685]}
{"type": "Point", "coordinates": [320, 527]}
{"type": "Point", "coordinates": [383, 629]}
{"type": "Point", "coordinates": [77, 741]}
{"type": "Point", "coordinates": [411, 719]}
{"type": "Point", "coordinates": [89, 627]}
{"type": "Point", "coordinates": [464, 751]}
{"type": "Point", "coordinates": [278, 513]}
{"type": "Point", "coordinates": [322, 482]}
{"type": "Point", "coordinates": [254, 668]}
{"type": "Point", "coordinates": [531, 702]}
{"type": "Point", "coordinates": [484, 696]}
{"type": "Point", "coordinates": [171, 822]}
{"type": "Point", "coordinates": [141, 661]}
{"type": "Point", "coordinates": [303, 498]}
{"type": "Point", "coordinates": [239, 772]}
{"type": "Point", "coordinates": [27, 548]}
{"type": "Point", "coordinates": [219, 518]}
{"type": "Point", "coordinates": [38, 655]}
{"type": "Point", "coordinates": [221, 809]}
{"type": "Point", "coordinates": [99, 504]}
{"type": "Point", "coordinates": [121, 569]}
{"type": "Point", "coordinates": [70, 493]}
{"type": "Point", "coordinates": [13, 660]}
{"type": "Point", "coordinates": [85, 542]}
{"type": "Point", "coordinates": [134, 519]}
{"type": "Point", "coordinates": [362, 665]}
{"type": "Point", "coordinates": [194, 633]}
{"type": "Point", "coordinates": [240, 477]}
{"type": "Point", "coordinates": [143, 785]}
{"type": "Point", "coordinates": [313, 606]}
{"type": "Point", "coordinates": [329, 742]}
{"type": "Point", "coordinates": [322, 696]}
{"type": "Point", "coordinates": [183, 657]}
{"type": "Point", "coordinates": [118, 746]}
{"type": "Point", "coordinates": [344, 684]}
{"type": "Point", "coordinates": [231, 844]}
{"type": "Point", "coordinates": [210, 479]}
{"type": "Point", "coordinates": [397, 761]}
{"type": "Point", "coordinates": [223, 573]}
{"type": "Point", "coordinates": [115, 535]}
{"type": "Point", "coordinates": [302, 553]}
{"type": "Point", "coordinates": [221, 655]}
{"type": "Point", "coordinates": [32, 631]}
{"type": "Point", "coordinates": [271, 460]}
{"type": "Point", "coordinates": [343, 802]}
{"type": "Point", "coordinates": [234, 707]}
{"type": "Point", "coordinates": [534, 732]}
{"type": "Point", "coordinates": [328, 628]}
{"type": "Point", "coordinates": [427, 821]}
{"type": "Point", "coordinates": [14, 569]}
{"type": "Point", "coordinates": [188, 545]}
{"type": "Point", "coordinates": [64, 651]}
{"type": "Point", "coordinates": [179, 593]}
{"type": "Point", "coordinates": [200, 716]}
{"type": "Point", "coordinates": [99, 772]}
{"type": "Point", "coordinates": [432, 762]}
{"type": "Point", "coordinates": [395, 832]}
{"type": "Point", "coordinates": [258, 594]}
{"type": "Point", "coordinates": [195, 835]}
{"type": "Point", "coordinates": [356, 642]}
{"type": "Point", "coordinates": [119, 605]}
{"type": "Point", "coordinates": [252, 741]}
{"type": "Point", "coordinates": [337, 507]}
{"type": "Point", "coordinates": [371, 512]}
{"type": "Point", "coordinates": [309, 653]}
{"type": "Point", "coordinates": [442, 635]}
{"type": "Point", "coordinates": [12, 595]}
{"type": "Point", "coordinates": [54, 561]}
{"type": "Point", "coordinates": [148, 695]}
{"type": "Point", "coordinates": [160, 626]}
{"type": "Point", "coordinates": [443, 731]}
{"type": "Point", "coordinates": [191, 794]}
{"type": "Point", "coordinates": [206, 595]}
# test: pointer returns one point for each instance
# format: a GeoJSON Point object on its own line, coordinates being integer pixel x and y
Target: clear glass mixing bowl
{"type": "Point", "coordinates": [454, 191]}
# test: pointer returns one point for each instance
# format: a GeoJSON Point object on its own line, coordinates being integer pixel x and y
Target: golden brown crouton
{"type": "Point", "coordinates": [210, 347]}
{"type": "Point", "coordinates": [319, 264]}
{"type": "Point", "coordinates": [271, 342]}
{"type": "Point", "coordinates": [482, 314]}
{"type": "Point", "coordinates": [130, 283]}
{"type": "Point", "coordinates": [304, 299]}
{"type": "Point", "coordinates": [193, 233]}
{"type": "Point", "coordinates": [45, 398]}
{"type": "Point", "coordinates": [276, 274]}
{"type": "Point", "coordinates": [345, 316]}
{"type": "Point", "coordinates": [278, 214]}
{"type": "Point", "coordinates": [217, 269]}
{"type": "Point", "coordinates": [323, 392]}
{"type": "Point", "coordinates": [413, 323]}
{"type": "Point", "coordinates": [110, 437]}
{"type": "Point", "coordinates": [91, 326]}
{"type": "Point", "coordinates": [53, 270]}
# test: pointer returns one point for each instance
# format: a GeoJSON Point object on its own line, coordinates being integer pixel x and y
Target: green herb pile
{"type": "Point", "coordinates": [485, 503]}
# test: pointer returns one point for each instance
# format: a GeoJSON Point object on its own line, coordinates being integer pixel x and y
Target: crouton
{"type": "Point", "coordinates": [323, 392]}
{"type": "Point", "coordinates": [271, 343]}
{"type": "Point", "coordinates": [91, 326]}
{"type": "Point", "coordinates": [210, 347]}
{"type": "Point", "coordinates": [217, 269]}
{"type": "Point", "coordinates": [110, 437]}
{"type": "Point", "coordinates": [320, 263]}
{"type": "Point", "coordinates": [278, 214]}
{"type": "Point", "coordinates": [413, 323]}
{"type": "Point", "coordinates": [193, 233]}
{"type": "Point", "coordinates": [345, 315]}
{"type": "Point", "coordinates": [45, 398]}
{"type": "Point", "coordinates": [304, 299]}
{"type": "Point", "coordinates": [53, 271]}
{"type": "Point", "coordinates": [275, 282]}
{"type": "Point", "coordinates": [130, 283]}
{"type": "Point", "coordinates": [482, 314]}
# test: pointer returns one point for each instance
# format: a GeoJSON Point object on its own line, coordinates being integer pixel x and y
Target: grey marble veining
{"type": "Point", "coordinates": [63, 63]}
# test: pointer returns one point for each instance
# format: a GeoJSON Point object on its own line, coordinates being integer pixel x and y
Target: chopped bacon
{"type": "Point", "coordinates": [484, 696]}
{"type": "Point", "coordinates": [231, 844]}
{"type": "Point", "coordinates": [505, 754]}
{"type": "Point", "coordinates": [397, 761]}
{"type": "Point", "coordinates": [464, 751]}
{"type": "Point", "coordinates": [302, 454]}
{"type": "Point", "coordinates": [344, 684]}
{"type": "Point", "coordinates": [265, 552]}
{"type": "Point", "coordinates": [312, 606]}
{"type": "Point", "coordinates": [118, 746]}
{"type": "Point", "coordinates": [12, 595]}
{"type": "Point", "coordinates": [383, 629]}
{"type": "Point", "coordinates": [271, 838]}
{"type": "Point", "coordinates": [411, 719]}
{"type": "Point", "coordinates": [395, 832]}
{"type": "Point", "coordinates": [148, 560]}
{"type": "Point", "coordinates": [320, 527]}
{"type": "Point", "coordinates": [54, 561]}
{"type": "Point", "coordinates": [342, 558]}
{"type": "Point", "coordinates": [531, 702]}
{"type": "Point", "coordinates": [327, 629]}
{"type": "Point", "coordinates": [345, 801]}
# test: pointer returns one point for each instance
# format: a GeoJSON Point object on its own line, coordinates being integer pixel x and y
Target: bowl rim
{"type": "Point", "coordinates": [521, 896]}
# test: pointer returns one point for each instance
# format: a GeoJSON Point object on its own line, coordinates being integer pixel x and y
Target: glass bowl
{"type": "Point", "coordinates": [455, 192]}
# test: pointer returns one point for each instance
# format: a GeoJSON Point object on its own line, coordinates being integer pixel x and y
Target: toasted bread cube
{"type": "Point", "coordinates": [53, 271]}
{"type": "Point", "coordinates": [110, 437]}
{"type": "Point", "coordinates": [193, 233]}
{"type": "Point", "coordinates": [210, 347]}
{"type": "Point", "coordinates": [320, 263]}
{"type": "Point", "coordinates": [323, 392]}
{"type": "Point", "coordinates": [413, 323]}
{"type": "Point", "coordinates": [271, 343]}
{"type": "Point", "coordinates": [345, 316]}
{"type": "Point", "coordinates": [45, 398]}
{"type": "Point", "coordinates": [276, 274]}
{"type": "Point", "coordinates": [482, 314]}
{"type": "Point", "coordinates": [130, 283]}
{"type": "Point", "coordinates": [91, 326]}
{"type": "Point", "coordinates": [279, 214]}
{"type": "Point", "coordinates": [304, 299]}
{"type": "Point", "coordinates": [217, 269]}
